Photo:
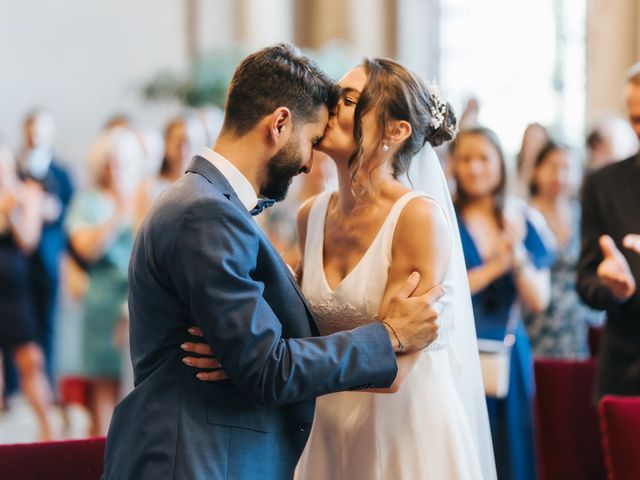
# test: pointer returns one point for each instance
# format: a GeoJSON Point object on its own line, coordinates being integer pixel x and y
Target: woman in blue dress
{"type": "Point", "coordinates": [507, 261]}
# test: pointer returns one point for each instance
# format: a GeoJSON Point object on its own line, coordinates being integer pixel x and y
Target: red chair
{"type": "Point", "coordinates": [620, 418]}
{"type": "Point", "coordinates": [567, 429]}
{"type": "Point", "coordinates": [74, 390]}
{"type": "Point", "coordinates": [72, 459]}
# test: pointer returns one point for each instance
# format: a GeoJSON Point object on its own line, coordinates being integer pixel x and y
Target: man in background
{"type": "Point", "coordinates": [609, 265]}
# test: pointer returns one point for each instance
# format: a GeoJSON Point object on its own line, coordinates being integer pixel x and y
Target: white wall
{"type": "Point", "coordinates": [85, 60]}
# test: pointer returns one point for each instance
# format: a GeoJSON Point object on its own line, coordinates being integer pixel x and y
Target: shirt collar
{"type": "Point", "coordinates": [236, 179]}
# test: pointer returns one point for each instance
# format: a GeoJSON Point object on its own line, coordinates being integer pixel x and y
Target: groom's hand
{"type": "Point", "coordinates": [412, 321]}
{"type": "Point", "coordinates": [205, 361]}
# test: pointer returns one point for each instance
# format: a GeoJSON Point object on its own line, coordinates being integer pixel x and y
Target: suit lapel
{"type": "Point", "coordinates": [283, 265]}
{"type": "Point", "coordinates": [234, 198]}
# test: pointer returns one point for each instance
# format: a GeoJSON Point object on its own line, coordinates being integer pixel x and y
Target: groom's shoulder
{"type": "Point", "coordinates": [191, 192]}
{"type": "Point", "coordinates": [192, 198]}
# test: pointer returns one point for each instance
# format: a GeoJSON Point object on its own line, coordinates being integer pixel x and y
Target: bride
{"type": "Point", "coordinates": [359, 244]}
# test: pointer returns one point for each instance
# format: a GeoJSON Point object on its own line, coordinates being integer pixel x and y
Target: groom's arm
{"type": "Point", "coordinates": [212, 262]}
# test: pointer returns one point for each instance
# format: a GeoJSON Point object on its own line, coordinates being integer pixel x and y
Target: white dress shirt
{"type": "Point", "coordinates": [238, 181]}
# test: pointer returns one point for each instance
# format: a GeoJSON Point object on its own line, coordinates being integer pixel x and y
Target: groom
{"type": "Point", "coordinates": [201, 259]}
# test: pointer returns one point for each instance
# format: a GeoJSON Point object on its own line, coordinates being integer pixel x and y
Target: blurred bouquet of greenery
{"type": "Point", "coordinates": [206, 81]}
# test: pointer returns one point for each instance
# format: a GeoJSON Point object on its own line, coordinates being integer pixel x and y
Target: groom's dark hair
{"type": "Point", "coordinates": [277, 76]}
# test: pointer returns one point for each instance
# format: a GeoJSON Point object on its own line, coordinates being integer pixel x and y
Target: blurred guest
{"type": "Point", "coordinates": [507, 262]}
{"type": "Point", "coordinates": [534, 139]}
{"type": "Point", "coordinates": [41, 165]}
{"type": "Point", "coordinates": [561, 330]}
{"type": "Point", "coordinates": [119, 120]}
{"type": "Point", "coordinates": [21, 205]}
{"type": "Point", "coordinates": [469, 117]}
{"type": "Point", "coordinates": [101, 233]}
{"type": "Point", "coordinates": [608, 271]}
{"type": "Point", "coordinates": [152, 143]}
{"type": "Point", "coordinates": [177, 153]}
{"type": "Point", "coordinates": [211, 119]}
{"type": "Point", "coordinates": [611, 139]}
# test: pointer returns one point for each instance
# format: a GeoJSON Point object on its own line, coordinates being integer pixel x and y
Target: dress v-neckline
{"type": "Point", "coordinates": [364, 255]}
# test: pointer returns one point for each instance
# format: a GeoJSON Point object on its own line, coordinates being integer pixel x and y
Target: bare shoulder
{"type": "Point", "coordinates": [421, 217]}
{"type": "Point", "coordinates": [422, 240]}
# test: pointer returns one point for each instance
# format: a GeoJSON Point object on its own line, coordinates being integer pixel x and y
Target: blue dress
{"type": "Point", "coordinates": [511, 418]}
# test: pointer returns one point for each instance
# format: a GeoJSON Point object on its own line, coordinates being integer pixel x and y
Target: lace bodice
{"type": "Point", "coordinates": [356, 299]}
{"type": "Point", "coordinates": [332, 316]}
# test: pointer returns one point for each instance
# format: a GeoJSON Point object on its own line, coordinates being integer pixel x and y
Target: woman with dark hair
{"type": "Point", "coordinates": [507, 262]}
{"type": "Point", "coordinates": [358, 244]}
{"type": "Point", "coordinates": [561, 330]}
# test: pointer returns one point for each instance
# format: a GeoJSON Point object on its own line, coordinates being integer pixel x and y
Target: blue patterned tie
{"type": "Point", "coordinates": [262, 204]}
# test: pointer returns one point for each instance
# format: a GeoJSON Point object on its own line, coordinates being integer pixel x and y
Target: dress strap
{"type": "Point", "coordinates": [313, 245]}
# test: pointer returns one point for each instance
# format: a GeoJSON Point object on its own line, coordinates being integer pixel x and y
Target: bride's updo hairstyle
{"type": "Point", "coordinates": [398, 94]}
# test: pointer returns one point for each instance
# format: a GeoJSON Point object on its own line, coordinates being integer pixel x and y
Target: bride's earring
{"type": "Point", "coordinates": [385, 147]}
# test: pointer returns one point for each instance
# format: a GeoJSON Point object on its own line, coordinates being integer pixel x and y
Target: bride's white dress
{"type": "Point", "coordinates": [420, 432]}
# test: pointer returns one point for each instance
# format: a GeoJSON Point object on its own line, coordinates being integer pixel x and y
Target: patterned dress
{"type": "Point", "coordinates": [107, 286]}
{"type": "Point", "coordinates": [561, 331]}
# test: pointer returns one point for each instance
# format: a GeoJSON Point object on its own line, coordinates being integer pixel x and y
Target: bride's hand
{"type": "Point", "coordinates": [207, 361]}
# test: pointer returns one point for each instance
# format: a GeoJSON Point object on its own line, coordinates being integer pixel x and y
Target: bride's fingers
{"type": "Point", "coordinates": [197, 362]}
{"type": "Point", "coordinates": [197, 347]}
{"type": "Point", "coordinates": [214, 376]}
{"type": "Point", "coordinates": [196, 332]}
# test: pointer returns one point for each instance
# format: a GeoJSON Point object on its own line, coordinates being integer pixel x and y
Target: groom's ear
{"type": "Point", "coordinates": [280, 125]}
{"type": "Point", "coordinates": [397, 132]}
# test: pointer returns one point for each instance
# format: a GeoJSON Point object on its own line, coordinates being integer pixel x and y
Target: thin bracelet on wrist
{"type": "Point", "coordinates": [400, 344]}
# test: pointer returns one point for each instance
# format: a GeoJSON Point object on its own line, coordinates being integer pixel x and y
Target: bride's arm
{"type": "Point", "coordinates": [301, 221]}
{"type": "Point", "coordinates": [422, 242]}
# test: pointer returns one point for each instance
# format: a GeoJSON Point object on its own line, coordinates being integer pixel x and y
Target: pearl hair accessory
{"type": "Point", "coordinates": [439, 107]}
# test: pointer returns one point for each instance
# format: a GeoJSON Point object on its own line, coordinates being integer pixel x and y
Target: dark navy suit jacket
{"type": "Point", "coordinates": [201, 259]}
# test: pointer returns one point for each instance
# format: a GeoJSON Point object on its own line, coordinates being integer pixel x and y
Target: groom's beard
{"type": "Point", "coordinates": [281, 169]}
